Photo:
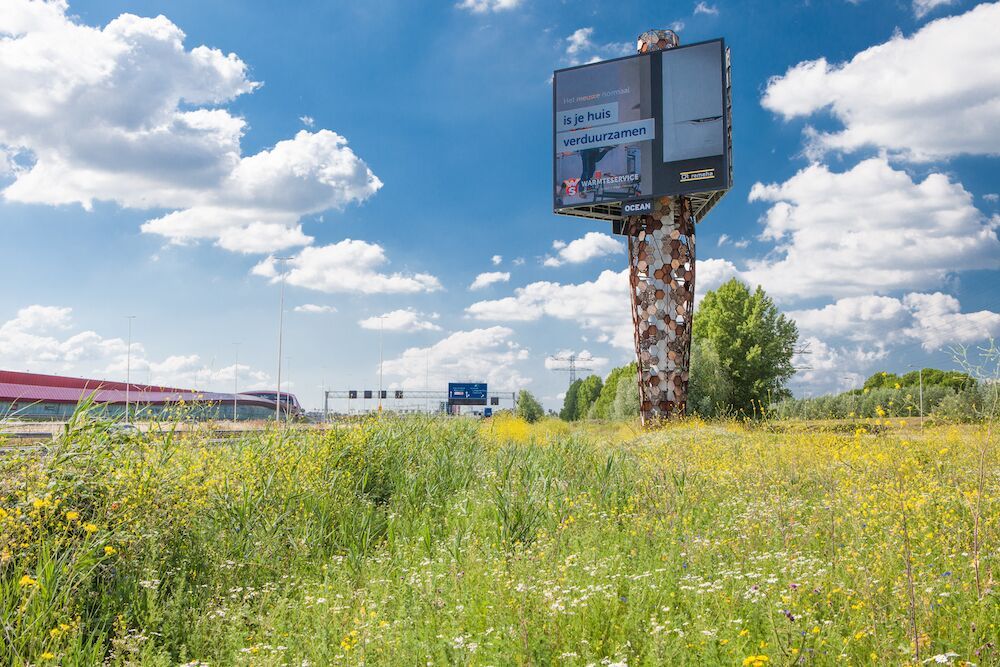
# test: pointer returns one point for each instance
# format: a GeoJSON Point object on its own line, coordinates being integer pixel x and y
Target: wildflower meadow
{"type": "Point", "coordinates": [432, 541]}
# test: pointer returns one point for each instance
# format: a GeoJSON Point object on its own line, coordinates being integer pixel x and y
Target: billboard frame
{"type": "Point", "coordinates": [702, 199]}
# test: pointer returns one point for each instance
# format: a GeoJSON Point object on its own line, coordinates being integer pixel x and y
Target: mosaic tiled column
{"type": "Point", "coordinates": [661, 279]}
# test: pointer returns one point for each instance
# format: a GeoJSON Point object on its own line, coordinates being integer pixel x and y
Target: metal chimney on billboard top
{"type": "Point", "coordinates": [645, 142]}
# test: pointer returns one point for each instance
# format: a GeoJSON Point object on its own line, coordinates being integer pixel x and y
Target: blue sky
{"type": "Point", "coordinates": [394, 148]}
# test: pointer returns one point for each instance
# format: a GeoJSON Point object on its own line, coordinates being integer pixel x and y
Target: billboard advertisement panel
{"type": "Point", "coordinates": [467, 393]}
{"type": "Point", "coordinates": [604, 131]}
{"type": "Point", "coordinates": [694, 120]}
{"type": "Point", "coordinates": [643, 126]}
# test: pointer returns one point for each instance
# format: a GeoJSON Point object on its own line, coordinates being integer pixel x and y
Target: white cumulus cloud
{"type": "Point", "coordinates": [401, 320]}
{"type": "Point", "coordinates": [922, 7]}
{"type": "Point", "coordinates": [711, 10]}
{"type": "Point", "coordinates": [314, 309]}
{"type": "Point", "coordinates": [934, 320]}
{"type": "Point", "coordinates": [44, 339]}
{"type": "Point", "coordinates": [348, 266]}
{"type": "Point", "coordinates": [871, 228]}
{"type": "Point", "coordinates": [581, 48]}
{"type": "Point", "coordinates": [824, 368]}
{"type": "Point", "coordinates": [590, 246]}
{"type": "Point", "coordinates": [480, 355]}
{"type": "Point", "coordinates": [939, 322]}
{"type": "Point", "coordinates": [127, 113]}
{"type": "Point", "coordinates": [579, 41]}
{"type": "Point", "coordinates": [484, 280]}
{"type": "Point", "coordinates": [485, 6]}
{"type": "Point", "coordinates": [935, 94]}
{"type": "Point", "coordinates": [710, 273]}
{"type": "Point", "coordinates": [601, 305]}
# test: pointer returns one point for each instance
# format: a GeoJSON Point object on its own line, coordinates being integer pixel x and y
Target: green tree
{"type": "Point", "coordinates": [754, 343]}
{"type": "Point", "coordinates": [568, 412]}
{"type": "Point", "coordinates": [709, 390]}
{"type": "Point", "coordinates": [883, 380]}
{"type": "Point", "coordinates": [932, 377]}
{"type": "Point", "coordinates": [590, 389]}
{"type": "Point", "coordinates": [626, 405]}
{"type": "Point", "coordinates": [603, 407]}
{"type": "Point", "coordinates": [528, 407]}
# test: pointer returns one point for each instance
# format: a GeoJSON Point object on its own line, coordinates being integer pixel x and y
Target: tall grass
{"type": "Point", "coordinates": [432, 541]}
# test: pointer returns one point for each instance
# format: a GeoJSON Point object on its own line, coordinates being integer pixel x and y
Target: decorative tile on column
{"type": "Point", "coordinates": [661, 279]}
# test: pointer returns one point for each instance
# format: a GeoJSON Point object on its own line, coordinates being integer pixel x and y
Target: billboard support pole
{"type": "Point", "coordinates": [661, 249]}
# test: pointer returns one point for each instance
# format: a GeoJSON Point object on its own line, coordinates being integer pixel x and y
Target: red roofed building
{"type": "Point", "coordinates": [35, 396]}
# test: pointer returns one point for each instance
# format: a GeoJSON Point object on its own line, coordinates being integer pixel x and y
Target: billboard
{"type": "Point", "coordinates": [639, 127]}
{"type": "Point", "coordinates": [467, 393]}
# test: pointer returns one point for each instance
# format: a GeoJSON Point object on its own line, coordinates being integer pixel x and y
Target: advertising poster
{"type": "Point", "coordinates": [604, 131]}
{"type": "Point", "coordinates": [645, 126]}
{"type": "Point", "coordinates": [694, 119]}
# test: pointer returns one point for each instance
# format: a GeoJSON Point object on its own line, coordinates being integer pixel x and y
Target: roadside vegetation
{"type": "Point", "coordinates": [450, 541]}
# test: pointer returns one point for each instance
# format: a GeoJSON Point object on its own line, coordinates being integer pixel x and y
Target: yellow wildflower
{"type": "Point", "coordinates": [26, 580]}
{"type": "Point", "coordinates": [109, 550]}
{"type": "Point", "coordinates": [48, 656]}
{"type": "Point", "coordinates": [90, 528]}
{"type": "Point", "coordinates": [72, 516]}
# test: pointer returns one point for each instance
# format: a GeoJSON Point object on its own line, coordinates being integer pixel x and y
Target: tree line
{"type": "Point", "coordinates": [741, 359]}
{"type": "Point", "coordinates": [742, 354]}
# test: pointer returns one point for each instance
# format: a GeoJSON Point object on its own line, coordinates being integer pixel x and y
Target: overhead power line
{"type": "Point", "coordinates": [571, 367]}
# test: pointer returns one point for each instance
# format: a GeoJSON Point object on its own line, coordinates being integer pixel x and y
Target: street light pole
{"type": "Point", "coordinates": [281, 323]}
{"type": "Point", "coordinates": [128, 367]}
{"type": "Point", "coordinates": [920, 375]}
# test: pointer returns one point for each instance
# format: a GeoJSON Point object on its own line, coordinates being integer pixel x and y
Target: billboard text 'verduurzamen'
{"type": "Point", "coordinates": [607, 135]}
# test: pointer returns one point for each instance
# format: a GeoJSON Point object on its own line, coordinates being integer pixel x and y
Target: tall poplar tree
{"type": "Point", "coordinates": [754, 343]}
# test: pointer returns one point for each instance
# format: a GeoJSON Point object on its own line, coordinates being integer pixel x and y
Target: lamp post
{"type": "Point", "coordinates": [281, 322]}
{"type": "Point", "coordinates": [128, 367]}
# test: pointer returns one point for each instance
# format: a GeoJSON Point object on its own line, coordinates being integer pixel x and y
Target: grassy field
{"type": "Point", "coordinates": [438, 542]}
